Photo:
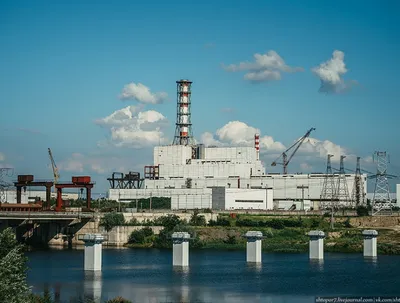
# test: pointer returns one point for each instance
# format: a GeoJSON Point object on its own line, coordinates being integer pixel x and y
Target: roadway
{"type": "Point", "coordinates": [18, 215]}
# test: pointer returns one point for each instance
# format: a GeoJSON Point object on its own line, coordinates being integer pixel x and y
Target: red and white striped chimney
{"type": "Point", "coordinates": [257, 145]}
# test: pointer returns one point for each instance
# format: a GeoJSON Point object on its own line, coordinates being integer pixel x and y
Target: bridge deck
{"type": "Point", "coordinates": [45, 215]}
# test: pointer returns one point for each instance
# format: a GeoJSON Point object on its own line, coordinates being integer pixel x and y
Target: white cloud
{"type": "Point", "coordinates": [331, 74]}
{"type": "Point", "coordinates": [142, 94]}
{"type": "Point", "coordinates": [130, 127]}
{"type": "Point", "coordinates": [74, 164]}
{"type": "Point", "coordinates": [237, 133]}
{"type": "Point", "coordinates": [2, 157]}
{"type": "Point", "coordinates": [311, 155]}
{"type": "Point", "coordinates": [266, 67]}
{"type": "Point", "coordinates": [306, 167]}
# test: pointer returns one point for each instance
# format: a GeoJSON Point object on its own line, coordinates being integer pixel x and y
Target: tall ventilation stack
{"type": "Point", "coordinates": [183, 131]}
{"type": "Point", "coordinates": [257, 145]}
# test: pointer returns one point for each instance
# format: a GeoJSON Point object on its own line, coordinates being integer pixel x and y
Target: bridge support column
{"type": "Point", "coordinates": [253, 247]}
{"type": "Point", "coordinates": [93, 251]}
{"type": "Point", "coordinates": [316, 244]}
{"type": "Point", "coordinates": [88, 196]}
{"type": "Point", "coordinates": [59, 199]}
{"type": "Point", "coordinates": [48, 197]}
{"type": "Point", "coordinates": [370, 249]}
{"type": "Point", "coordinates": [180, 249]}
{"type": "Point", "coordinates": [19, 194]}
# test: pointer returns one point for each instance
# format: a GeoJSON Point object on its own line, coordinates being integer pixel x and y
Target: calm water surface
{"type": "Point", "coordinates": [147, 275]}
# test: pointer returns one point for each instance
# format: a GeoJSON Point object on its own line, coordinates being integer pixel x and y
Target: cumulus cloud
{"type": "Point", "coordinates": [131, 127]}
{"type": "Point", "coordinates": [310, 156]}
{"type": "Point", "coordinates": [266, 67]}
{"type": "Point", "coordinates": [142, 94]}
{"type": "Point", "coordinates": [331, 74]}
{"type": "Point", "coordinates": [322, 148]}
{"type": "Point", "coordinates": [237, 133]}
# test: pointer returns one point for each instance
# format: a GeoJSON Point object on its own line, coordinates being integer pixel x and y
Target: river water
{"type": "Point", "coordinates": [147, 275]}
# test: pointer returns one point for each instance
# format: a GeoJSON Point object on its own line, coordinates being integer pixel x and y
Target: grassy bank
{"type": "Point", "coordinates": [287, 235]}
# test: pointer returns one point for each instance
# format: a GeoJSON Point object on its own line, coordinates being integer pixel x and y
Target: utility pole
{"type": "Point", "coordinates": [342, 192]}
{"type": "Point", "coordinates": [328, 188]}
{"type": "Point", "coordinates": [381, 199]}
{"type": "Point", "coordinates": [358, 196]}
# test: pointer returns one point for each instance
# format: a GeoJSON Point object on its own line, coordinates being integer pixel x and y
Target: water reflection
{"type": "Point", "coordinates": [371, 260]}
{"type": "Point", "coordinates": [92, 285]}
{"type": "Point", "coordinates": [183, 270]}
{"type": "Point", "coordinates": [317, 265]}
{"type": "Point", "coordinates": [254, 267]}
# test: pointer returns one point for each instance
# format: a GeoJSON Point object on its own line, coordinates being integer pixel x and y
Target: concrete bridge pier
{"type": "Point", "coordinates": [253, 246]}
{"type": "Point", "coordinates": [93, 251]}
{"type": "Point", "coordinates": [180, 249]}
{"type": "Point", "coordinates": [370, 247]}
{"type": "Point", "coordinates": [316, 244]}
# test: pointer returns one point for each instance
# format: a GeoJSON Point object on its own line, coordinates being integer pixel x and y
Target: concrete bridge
{"type": "Point", "coordinates": [39, 228]}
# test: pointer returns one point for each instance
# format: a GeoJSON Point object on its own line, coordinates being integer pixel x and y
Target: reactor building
{"type": "Point", "coordinates": [196, 176]}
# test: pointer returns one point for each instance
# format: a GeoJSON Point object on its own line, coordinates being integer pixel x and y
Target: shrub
{"type": "Point", "coordinates": [247, 223]}
{"type": "Point", "coordinates": [362, 211]}
{"type": "Point", "coordinates": [140, 236]}
{"type": "Point", "coordinates": [230, 239]}
{"type": "Point", "coordinates": [197, 220]}
{"type": "Point", "coordinates": [347, 223]}
{"type": "Point", "coordinates": [219, 222]}
{"type": "Point", "coordinates": [111, 220]}
{"type": "Point", "coordinates": [168, 222]}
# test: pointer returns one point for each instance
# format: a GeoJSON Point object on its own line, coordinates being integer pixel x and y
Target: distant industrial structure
{"type": "Point", "coordinates": [198, 176]}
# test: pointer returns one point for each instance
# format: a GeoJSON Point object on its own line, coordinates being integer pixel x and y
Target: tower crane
{"type": "Point", "coordinates": [54, 167]}
{"type": "Point", "coordinates": [284, 155]}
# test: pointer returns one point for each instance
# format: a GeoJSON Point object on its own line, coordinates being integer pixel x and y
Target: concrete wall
{"type": "Point", "coordinates": [119, 235]}
{"type": "Point", "coordinates": [246, 198]}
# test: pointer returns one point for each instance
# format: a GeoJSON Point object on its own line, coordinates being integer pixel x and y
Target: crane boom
{"type": "Point", "coordinates": [284, 155]}
{"type": "Point", "coordinates": [54, 167]}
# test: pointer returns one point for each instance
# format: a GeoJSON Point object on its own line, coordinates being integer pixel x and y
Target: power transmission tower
{"type": "Point", "coordinates": [342, 191]}
{"type": "Point", "coordinates": [3, 184]}
{"type": "Point", "coordinates": [358, 194]}
{"type": "Point", "coordinates": [381, 199]}
{"type": "Point", "coordinates": [328, 188]}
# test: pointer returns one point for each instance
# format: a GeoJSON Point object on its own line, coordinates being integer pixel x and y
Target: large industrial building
{"type": "Point", "coordinates": [199, 176]}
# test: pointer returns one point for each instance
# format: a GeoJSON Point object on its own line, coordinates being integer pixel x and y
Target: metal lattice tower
{"type": "Point", "coordinates": [183, 130]}
{"type": "Point", "coordinates": [342, 191]}
{"type": "Point", "coordinates": [4, 185]}
{"type": "Point", "coordinates": [328, 188]}
{"type": "Point", "coordinates": [358, 194]}
{"type": "Point", "coordinates": [381, 199]}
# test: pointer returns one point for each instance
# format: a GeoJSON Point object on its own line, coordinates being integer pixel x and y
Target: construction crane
{"type": "Point", "coordinates": [54, 167]}
{"type": "Point", "coordinates": [284, 155]}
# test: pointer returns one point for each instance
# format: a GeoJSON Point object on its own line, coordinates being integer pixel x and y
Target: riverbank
{"type": "Point", "coordinates": [286, 235]}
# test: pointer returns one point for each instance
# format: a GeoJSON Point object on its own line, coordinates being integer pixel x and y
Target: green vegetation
{"type": "Point", "coordinates": [105, 205]}
{"type": "Point", "coordinates": [13, 286]}
{"type": "Point", "coordinates": [287, 234]}
{"type": "Point", "coordinates": [111, 220]}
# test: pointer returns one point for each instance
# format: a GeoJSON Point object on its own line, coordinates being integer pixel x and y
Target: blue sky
{"type": "Point", "coordinates": [64, 64]}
